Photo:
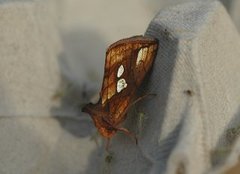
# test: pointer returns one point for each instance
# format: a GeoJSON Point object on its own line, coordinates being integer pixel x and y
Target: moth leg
{"type": "Point", "coordinates": [128, 133]}
{"type": "Point", "coordinates": [124, 130]}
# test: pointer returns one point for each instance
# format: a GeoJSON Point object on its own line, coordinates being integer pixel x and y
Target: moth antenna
{"type": "Point", "coordinates": [139, 99]}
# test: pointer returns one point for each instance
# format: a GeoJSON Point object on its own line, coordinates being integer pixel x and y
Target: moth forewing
{"type": "Point", "coordinates": [127, 63]}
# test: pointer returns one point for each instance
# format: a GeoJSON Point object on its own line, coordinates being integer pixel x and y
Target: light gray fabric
{"type": "Point", "coordinates": [27, 59]}
{"type": "Point", "coordinates": [181, 130]}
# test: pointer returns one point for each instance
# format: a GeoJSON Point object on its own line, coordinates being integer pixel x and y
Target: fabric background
{"type": "Point", "coordinates": [52, 55]}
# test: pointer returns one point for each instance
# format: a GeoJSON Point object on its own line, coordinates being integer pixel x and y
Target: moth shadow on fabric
{"type": "Point", "coordinates": [80, 64]}
{"type": "Point", "coordinates": [81, 49]}
{"type": "Point", "coordinates": [226, 141]}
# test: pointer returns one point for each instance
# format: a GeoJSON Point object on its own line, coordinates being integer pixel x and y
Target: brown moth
{"type": "Point", "coordinates": [127, 63]}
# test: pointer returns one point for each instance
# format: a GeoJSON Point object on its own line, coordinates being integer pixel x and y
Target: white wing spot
{"type": "Point", "coordinates": [120, 71]}
{"type": "Point", "coordinates": [142, 54]}
{"type": "Point", "coordinates": [121, 84]}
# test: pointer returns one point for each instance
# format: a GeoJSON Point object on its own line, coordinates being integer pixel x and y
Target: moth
{"type": "Point", "coordinates": [127, 63]}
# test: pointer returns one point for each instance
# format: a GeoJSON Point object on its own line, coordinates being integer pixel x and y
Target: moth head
{"type": "Point", "coordinates": [96, 113]}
